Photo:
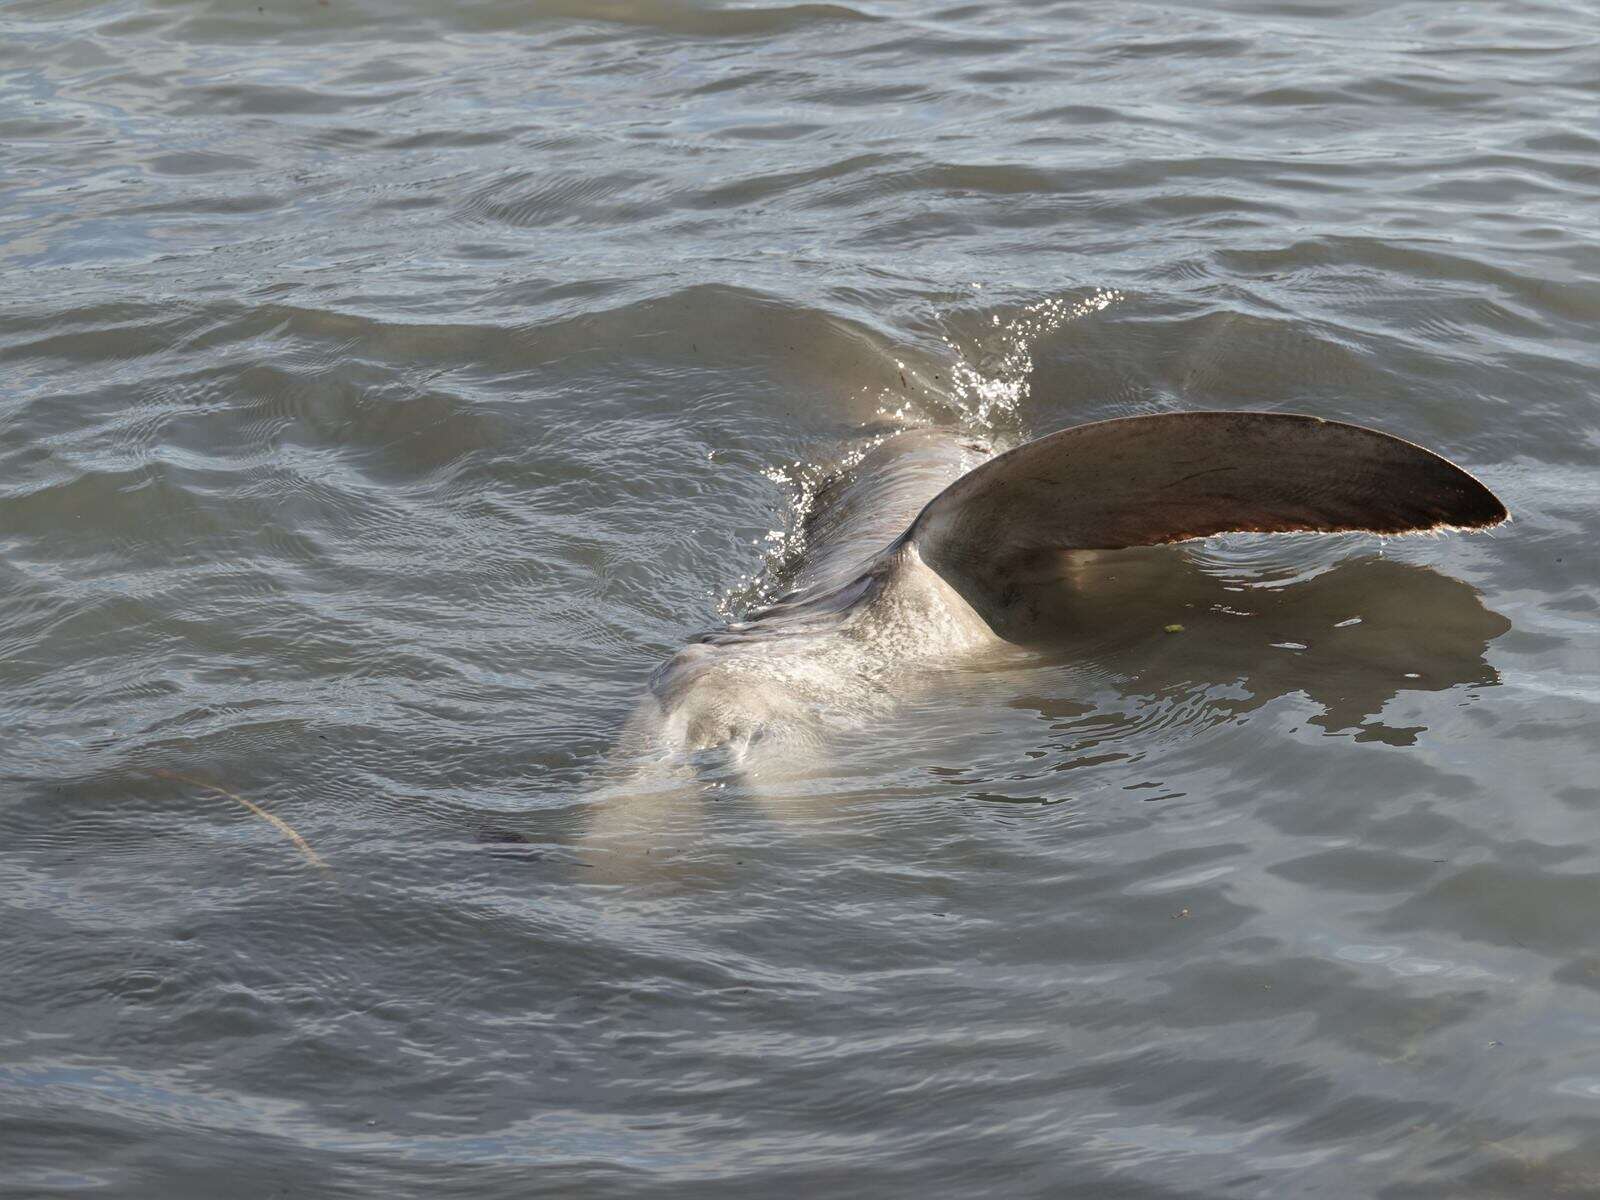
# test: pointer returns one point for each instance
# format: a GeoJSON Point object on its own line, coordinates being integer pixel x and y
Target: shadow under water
{"type": "Point", "coordinates": [1132, 649]}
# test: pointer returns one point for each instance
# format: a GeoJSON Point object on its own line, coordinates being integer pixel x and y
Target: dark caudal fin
{"type": "Point", "coordinates": [1143, 481]}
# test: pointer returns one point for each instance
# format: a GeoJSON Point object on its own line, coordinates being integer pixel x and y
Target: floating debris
{"type": "Point", "coordinates": [278, 823]}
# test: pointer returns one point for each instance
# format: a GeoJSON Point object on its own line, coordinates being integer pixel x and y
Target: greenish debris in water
{"type": "Point", "coordinates": [1174, 628]}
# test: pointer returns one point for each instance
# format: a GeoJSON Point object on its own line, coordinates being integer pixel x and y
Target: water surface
{"type": "Point", "coordinates": [388, 387]}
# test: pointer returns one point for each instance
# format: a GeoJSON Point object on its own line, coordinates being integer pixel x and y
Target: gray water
{"type": "Point", "coordinates": [387, 387]}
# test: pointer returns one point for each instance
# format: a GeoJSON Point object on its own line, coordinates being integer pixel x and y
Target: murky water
{"type": "Point", "coordinates": [387, 388]}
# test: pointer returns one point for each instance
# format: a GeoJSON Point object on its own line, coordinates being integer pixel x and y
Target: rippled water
{"type": "Point", "coordinates": [388, 388]}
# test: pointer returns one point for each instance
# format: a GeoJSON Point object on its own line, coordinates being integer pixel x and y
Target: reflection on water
{"type": "Point", "coordinates": [1349, 639]}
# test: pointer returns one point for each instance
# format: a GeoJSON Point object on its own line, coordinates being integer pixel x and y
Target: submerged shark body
{"type": "Point", "coordinates": [933, 547]}
{"type": "Point", "coordinates": [862, 608]}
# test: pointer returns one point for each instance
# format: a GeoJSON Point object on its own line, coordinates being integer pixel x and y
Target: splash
{"type": "Point", "coordinates": [987, 390]}
{"type": "Point", "coordinates": [782, 548]}
{"type": "Point", "coordinates": [990, 385]}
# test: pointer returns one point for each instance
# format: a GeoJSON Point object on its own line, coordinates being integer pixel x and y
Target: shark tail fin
{"type": "Point", "coordinates": [1142, 481]}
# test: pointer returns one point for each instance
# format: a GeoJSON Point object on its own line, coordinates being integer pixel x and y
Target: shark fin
{"type": "Point", "coordinates": [1149, 480]}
